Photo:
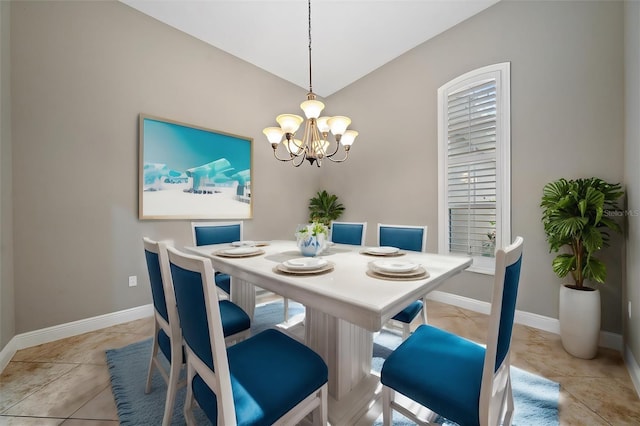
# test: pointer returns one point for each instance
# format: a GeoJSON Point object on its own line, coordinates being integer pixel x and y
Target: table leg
{"type": "Point", "coordinates": [347, 350]}
{"type": "Point", "coordinates": [243, 294]}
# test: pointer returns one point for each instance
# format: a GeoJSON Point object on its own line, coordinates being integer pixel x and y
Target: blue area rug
{"type": "Point", "coordinates": [128, 369]}
{"type": "Point", "coordinates": [536, 398]}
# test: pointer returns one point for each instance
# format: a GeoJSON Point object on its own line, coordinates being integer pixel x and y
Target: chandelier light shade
{"type": "Point", "coordinates": [314, 145]}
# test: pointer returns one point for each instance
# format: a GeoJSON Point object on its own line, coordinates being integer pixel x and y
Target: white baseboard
{"type": "Point", "coordinates": [552, 325]}
{"type": "Point", "coordinates": [633, 368]}
{"type": "Point", "coordinates": [7, 353]}
{"type": "Point", "coordinates": [49, 334]}
{"type": "Point", "coordinates": [62, 331]}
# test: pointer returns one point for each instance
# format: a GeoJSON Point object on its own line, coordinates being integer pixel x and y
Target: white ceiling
{"type": "Point", "coordinates": [349, 38]}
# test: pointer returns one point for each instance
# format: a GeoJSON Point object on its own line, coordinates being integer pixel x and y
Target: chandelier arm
{"type": "Point", "coordinates": [346, 155]}
{"type": "Point", "coordinates": [335, 151]}
{"type": "Point", "coordinates": [301, 157]}
{"type": "Point", "coordinates": [282, 159]}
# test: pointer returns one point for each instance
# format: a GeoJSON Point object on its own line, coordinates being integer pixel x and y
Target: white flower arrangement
{"type": "Point", "coordinates": [312, 238]}
{"type": "Point", "coordinates": [313, 229]}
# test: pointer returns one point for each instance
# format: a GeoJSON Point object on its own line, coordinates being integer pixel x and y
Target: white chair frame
{"type": "Point", "coordinates": [220, 381]}
{"type": "Point", "coordinates": [496, 395]}
{"type": "Point", "coordinates": [424, 234]}
{"type": "Point", "coordinates": [406, 328]}
{"type": "Point", "coordinates": [195, 225]}
{"type": "Point", "coordinates": [364, 229]}
{"type": "Point", "coordinates": [172, 329]}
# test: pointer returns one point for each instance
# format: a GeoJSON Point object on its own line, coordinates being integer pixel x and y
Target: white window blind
{"type": "Point", "coordinates": [473, 166]}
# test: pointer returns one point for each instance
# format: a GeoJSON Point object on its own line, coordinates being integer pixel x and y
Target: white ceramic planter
{"type": "Point", "coordinates": [580, 321]}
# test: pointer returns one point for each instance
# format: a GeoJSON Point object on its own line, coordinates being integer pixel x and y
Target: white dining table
{"type": "Point", "coordinates": [343, 306]}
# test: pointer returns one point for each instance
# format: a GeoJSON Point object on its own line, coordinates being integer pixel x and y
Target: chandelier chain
{"type": "Point", "coordinates": [310, 85]}
{"type": "Point", "coordinates": [314, 145]}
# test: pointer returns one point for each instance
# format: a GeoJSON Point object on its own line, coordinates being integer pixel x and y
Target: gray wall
{"type": "Point", "coordinates": [632, 175]}
{"type": "Point", "coordinates": [567, 121]}
{"type": "Point", "coordinates": [7, 321]}
{"type": "Point", "coordinates": [81, 73]}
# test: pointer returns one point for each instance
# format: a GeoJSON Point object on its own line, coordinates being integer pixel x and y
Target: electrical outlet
{"type": "Point", "coordinates": [133, 281]}
{"type": "Point", "coordinates": [629, 309]}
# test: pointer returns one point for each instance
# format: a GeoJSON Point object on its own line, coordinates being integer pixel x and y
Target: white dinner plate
{"type": "Point", "coordinates": [305, 263]}
{"type": "Point", "coordinates": [383, 250]}
{"type": "Point", "coordinates": [241, 251]}
{"type": "Point", "coordinates": [394, 266]}
{"type": "Point", "coordinates": [245, 243]}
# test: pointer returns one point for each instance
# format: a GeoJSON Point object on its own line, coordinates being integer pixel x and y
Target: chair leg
{"type": "Point", "coordinates": [424, 310]}
{"type": "Point", "coordinates": [510, 407]}
{"type": "Point", "coordinates": [286, 310]}
{"type": "Point", "coordinates": [172, 388]}
{"type": "Point", "coordinates": [406, 330]}
{"type": "Point", "coordinates": [387, 396]}
{"type": "Point", "coordinates": [154, 353]}
{"type": "Point", "coordinates": [320, 416]}
{"type": "Point", "coordinates": [188, 401]}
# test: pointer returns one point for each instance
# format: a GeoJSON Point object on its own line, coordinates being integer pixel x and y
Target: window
{"type": "Point", "coordinates": [474, 138]}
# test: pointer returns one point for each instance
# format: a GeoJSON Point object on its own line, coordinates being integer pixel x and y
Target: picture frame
{"type": "Point", "coordinates": [191, 172]}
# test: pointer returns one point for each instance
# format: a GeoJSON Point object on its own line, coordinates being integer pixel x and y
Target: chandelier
{"type": "Point", "coordinates": [314, 145]}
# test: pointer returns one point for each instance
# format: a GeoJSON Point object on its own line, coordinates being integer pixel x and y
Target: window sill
{"type": "Point", "coordinates": [483, 265]}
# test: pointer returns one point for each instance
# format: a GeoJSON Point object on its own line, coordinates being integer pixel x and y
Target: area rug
{"type": "Point", "coordinates": [536, 398]}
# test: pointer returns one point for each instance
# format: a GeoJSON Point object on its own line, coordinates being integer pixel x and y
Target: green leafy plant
{"type": "Point", "coordinates": [324, 208]}
{"type": "Point", "coordinates": [577, 214]}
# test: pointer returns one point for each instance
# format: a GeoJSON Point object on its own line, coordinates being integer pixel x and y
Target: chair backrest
{"type": "Point", "coordinates": [164, 302]}
{"type": "Point", "coordinates": [405, 237]}
{"type": "Point", "coordinates": [199, 312]}
{"type": "Point", "coordinates": [205, 233]}
{"type": "Point", "coordinates": [348, 232]}
{"type": "Point", "coordinates": [503, 306]}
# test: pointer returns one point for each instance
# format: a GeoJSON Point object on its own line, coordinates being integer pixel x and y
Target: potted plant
{"type": "Point", "coordinates": [324, 208]}
{"type": "Point", "coordinates": [576, 216]}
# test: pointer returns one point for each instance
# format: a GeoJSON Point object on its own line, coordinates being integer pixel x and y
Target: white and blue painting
{"type": "Point", "coordinates": [190, 172]}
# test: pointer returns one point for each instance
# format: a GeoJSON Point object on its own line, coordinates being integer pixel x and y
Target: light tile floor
{"type": "Point", "coordinates": [67, 382]}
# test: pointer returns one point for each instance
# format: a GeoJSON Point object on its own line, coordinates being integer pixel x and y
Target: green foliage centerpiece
{"type": "Point", "coordinates": [324, 208]}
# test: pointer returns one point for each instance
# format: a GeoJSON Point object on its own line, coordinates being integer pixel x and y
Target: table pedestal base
{"type": "Point", "coordinates": [347, 350]}
{"type": "Point", "coordinates": [243, 294]}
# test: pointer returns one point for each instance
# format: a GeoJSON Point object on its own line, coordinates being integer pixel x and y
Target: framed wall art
{"type": "Point", "coordinates": [190, 172]}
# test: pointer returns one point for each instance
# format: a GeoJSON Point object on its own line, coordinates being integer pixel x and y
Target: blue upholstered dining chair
{"type": "Point", "coordinates": [413, 238]}
{"type": "Point", "coordinates": [267, 379]}
{"type": "Point", "coordinates": [352, 233]}
{"type": "Point", "coordinates": [207, 233]}
{"type": "Point", "coordinates": [167, 335]}
{"type": "Point", "coordinates": [452, 376]}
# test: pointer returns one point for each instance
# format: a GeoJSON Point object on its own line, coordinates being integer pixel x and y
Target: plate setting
{"type": "Point", "coordinates": [384, 251]}
{"type": "Point", "coordinates": [396, 270]}
{"type": "Point", "coordinates": [249, 243]}
{"type": "Point", "coordinates": [239, 252]}
{"type": "Point", "coordinates": [394, 266]}
{"type": "Point", "coordinates": [304, 266]}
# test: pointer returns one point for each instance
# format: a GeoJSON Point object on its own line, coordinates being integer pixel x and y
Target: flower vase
{"type": "Point", "coordinates": [311, 246]}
